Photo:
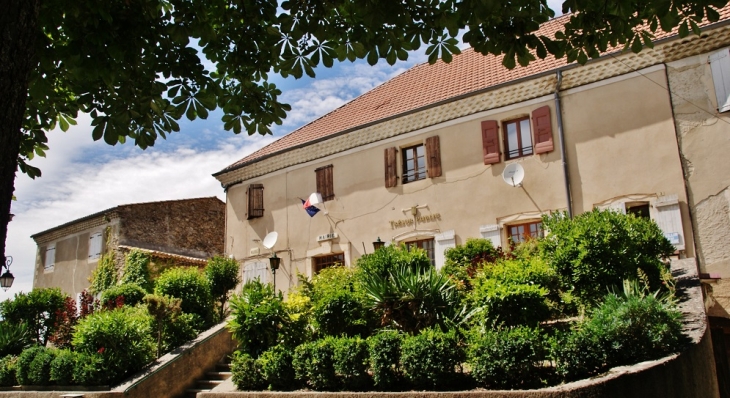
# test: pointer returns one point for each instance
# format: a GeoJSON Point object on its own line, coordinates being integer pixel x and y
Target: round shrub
{"type": "Point", "coordinates": [245, 374]}
{"type": "Point", "coordinates": [463, 261]}
{"type": "Point", "coordinates": [276, 369]}
{"type": "Point", "coordinates": [122, 338]}
{"type": "Point", "coordinates": [7, 371]}
{"type": "Point", "coordinates": [189, 285]}
{"type": "Point", "coordinates": [509, 304]}
{"type": "Point", "coordinates": [430, 358]}
{"type": "Point", "coordinates": [340, 313]}
{"type": "Point", "coordinates": [22, 366]}
{"type": "Point", "coordinates": [314, 364]}
{"type": "Point", "coordinates": [131, 294]}
{"type": "Point", "coordinates": [62, 368]}
{"type": "Point", "coordinates": [258, 318]}
{"type": "Point", "coordinates": [509, 358]}
{"type": "Point", "coordinates": [385, 352]}
{"type": "Point", "coordinates": [351, 359]}
{"type": "Point", "coordinates": [136, 270]}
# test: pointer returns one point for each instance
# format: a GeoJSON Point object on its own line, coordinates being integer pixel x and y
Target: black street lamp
{"type": "Point", "coordinates": [274, 262]}
{"type": "Point", "coordinates": [6, 279]}
{"type": "Point", "coordinates": [378, 244]}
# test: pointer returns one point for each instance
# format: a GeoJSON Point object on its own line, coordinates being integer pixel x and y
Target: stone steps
{"type": "Point", "coordinates": [212, 379]}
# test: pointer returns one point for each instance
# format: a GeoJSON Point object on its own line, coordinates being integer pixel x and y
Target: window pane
{"type": "Point", "coordinates": [526, 136]}
{"type": "Point", "coordinates": [512, 139]}
{"type": "Point", "coordinates": [420, 150]}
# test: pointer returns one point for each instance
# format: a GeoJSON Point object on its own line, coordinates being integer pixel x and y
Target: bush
{"type": "Point", "coordinates": [508, 304]}
{"type": "Point", "coordinates": [623, 330]}
{"type": "Point", "coordinates": [276, 369]}
{"type": "Point", "coordinates": [136, 270]}
{"type": "Point", "coordinates": [122, 337]}
{"type": "Point", "coordinates": [179, 330]}
{"type": "Point", "coordinates": [130, 293]}
{"type": "Point", "coordinates": [337, 303]}
{"type": "Point", "coordinates": [90, 370]}
{"type": "Point", "coordinates": [258, 318]}
{"type": "Point", "coordinates": [105, 274]}
{"type": "Point", "coordinates": [7, 371]}
{"type": "Point", "coordinates": [223, 276]}
{"type": "Point", "coordinates": [62, 368]}
{"type": "Point", "coordinates": [245, 374]}
{"type": "Point", "coordinates": [189, 285]}
{"type": "Point", "coordinates": [463, 261]}
{"type": "Point", "coordinates": [383, 260]}
{"type": "Point", "coordinates": [385, 352]}
{"type": "Point", "coordinates": [597, 250]}
{"type": "Point", "coordinates": [14, 338]}
{"type": "Point", "coordinates": [508, 358]}
{"type": "Point", "coordinates": [351, 359]}
{"type": "Point", "coordinates": [430, 358]}
{"type": "Point", "coordinates": [315, 365]}
{"type": "Point", "coordinates": [34, 366]}
{"type": "Point", "coordinates": [36, 309]}
{"type": "Point", "coordinates": [66, 319]}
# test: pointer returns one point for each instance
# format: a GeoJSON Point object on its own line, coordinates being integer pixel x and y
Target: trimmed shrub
{"type": "Point", "coordinates": [508, 358]}
{"type": "Point", "coordinates": [62, 368]}
{"type": "Point", "coordinates": [341, 313]}
{"type": "Point", "coordinates": [90, 370]}
{"type": "Point", "coordinates": [122, 338]}
{"type": "Point", "coordinates": [131, 294]}
{"type": "Point", "coordinates": [39, 372]}
{"type": "Point", "coordinates": [189, 285]}
{"type": "Point", "coordinates": [245, 374]}
{"type": "Point", "coordinates": [14, 338]}
{"type": "Point", "coordinates": [314, 364]}
{"type": "Point", "coordinates": [105, 274]}
{"type": "Point", "coordinates": [508, 304]}
{"type": "Point", "coordinates": [136, 270]}
{"type": "Point", "coordinates": [276, 369]}
{"type": "Point", "coordinates": [385, 362]}
{"type": "Point", "coordinates": [22, 365]}
{"type": "Point", "coordinates": [37, 309]}
{"type": "Point", "coordinates": [351, 359]}
{"type": "Point", "coordinates": [7, 371]}
{"type": "Point", "coordinates": [223, 276]}
{"type": "Point", "coordinates": [258, 318]}
{"type": "Point", "coordinates": [430, 359]}
{"type": "Point", "coordinates": [597, 250]}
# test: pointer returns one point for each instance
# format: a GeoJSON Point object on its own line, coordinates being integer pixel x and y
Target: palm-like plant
{"type": "Point", "coordinates": [14, 338]}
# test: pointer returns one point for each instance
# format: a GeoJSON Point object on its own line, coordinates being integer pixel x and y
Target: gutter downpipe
{"type": "Point", "coordinates": [559, 112]}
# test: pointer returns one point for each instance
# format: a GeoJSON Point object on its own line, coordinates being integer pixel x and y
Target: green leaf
{"type": "Point", "coordinates": [683, 29]}
{"type": "Point", "coordinates": [190, 113]}
{"type": "Point", "coordinates": [636, 45]}
{"type": "Point", "coordinates": [63, 123]}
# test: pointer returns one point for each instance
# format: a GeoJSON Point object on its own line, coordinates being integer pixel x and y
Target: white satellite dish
{"type": "Point", "coordinates": [270, 240]}
{"type": "Point", "coordinates": [513, 174]}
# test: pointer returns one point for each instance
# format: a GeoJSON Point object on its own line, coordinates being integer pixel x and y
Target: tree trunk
{"type": "Point", "coordinates": [18, 21]}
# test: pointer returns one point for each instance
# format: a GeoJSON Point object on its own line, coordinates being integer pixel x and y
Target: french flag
{"type": "Point", "coordinates": [309, 204]}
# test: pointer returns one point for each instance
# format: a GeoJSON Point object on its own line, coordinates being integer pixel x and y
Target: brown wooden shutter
{"type": "Point", "coordinates": [543, 130]}
{"type": "Point", "coordinates": [391, 173]}
{"type": "Point", "coordinates": [325, 183]}
{"type": "Point", "coordinates": [433, 155]}
{"type": "Point", "coordinates": [255, 201]}
{"type": "Point", "coordinates": [490, 141]}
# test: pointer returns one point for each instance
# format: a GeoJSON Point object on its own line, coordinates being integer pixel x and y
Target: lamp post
{"type": "Point", "coordinates": [378, 244]}
{"type": "Point", "coordinates": [274, 262]}
{"type": "Point", "coordinates": [6, 279]}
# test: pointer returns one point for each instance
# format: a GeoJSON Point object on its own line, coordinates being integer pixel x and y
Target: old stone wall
{"type": "Point", "coordinates": [191, 227]}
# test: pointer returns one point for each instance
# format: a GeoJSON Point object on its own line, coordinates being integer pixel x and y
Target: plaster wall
{"type": "Point", "coordinates": [704, 140]}
{"type": "Point", "coordinates": [627, 148]}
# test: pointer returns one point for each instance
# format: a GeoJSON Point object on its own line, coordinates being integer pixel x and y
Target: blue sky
{"type": "Point", "coordinates": [81, 177]}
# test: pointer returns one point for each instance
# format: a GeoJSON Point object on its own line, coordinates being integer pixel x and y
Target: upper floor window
{"type": "Point", "coordinates": [518, 138]}
{"type": "Point", "coordinates": [325, 184]}
{"type": "Point", "coordinates": [50, 257]}
{"type": "Point", "coordinates": [521, 232]}
{"type": "Point", "coordinates": [255, 201]}
{"type": "Point", "coordinates": [414, 163]}
{"type": "Point", "coordinates": [95, 246]}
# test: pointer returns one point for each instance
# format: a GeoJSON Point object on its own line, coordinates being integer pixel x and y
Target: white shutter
{"type": "Point", "coordinates": [50, 256]}
{"type": "Point", "coordinates": [619, 207]}
{"type": "Point", "coordinates": [493, 233]}
{"type": "Point", "coordinates": [669, 219]}
{"type": "Point", "coordinates": [95, 246]}
{"type": "Point", "coordinates": [255, 270]}
{"type": "Point", "coordinates": [720, 66]}
{"type": "Point", "coordinates": [444, 241]}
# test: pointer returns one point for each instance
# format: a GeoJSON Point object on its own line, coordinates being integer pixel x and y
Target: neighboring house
{"type": "Point", "coordinates": [183, 232]}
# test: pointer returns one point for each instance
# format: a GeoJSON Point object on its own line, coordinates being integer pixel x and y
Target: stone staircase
{"type": "Point", "coordinates": [212, 379]}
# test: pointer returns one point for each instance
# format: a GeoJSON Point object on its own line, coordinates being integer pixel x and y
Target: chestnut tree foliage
{"type": "Point", "coordinates": [138, 66]}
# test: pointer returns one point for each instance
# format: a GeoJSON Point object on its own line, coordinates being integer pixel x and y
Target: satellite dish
{"type": "Point", "coordinates": [513, 174]}
{"type": "Point", "coordinates": [270, 240]}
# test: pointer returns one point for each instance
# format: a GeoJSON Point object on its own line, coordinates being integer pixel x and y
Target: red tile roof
{"type": "Point", "coordinates": [419, 87]}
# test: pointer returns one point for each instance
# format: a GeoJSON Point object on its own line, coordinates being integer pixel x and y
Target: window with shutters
{"type": "Point", "coordinates": [325, 186]}
{"type": "Point", "coordinates": [517, 138]}
{"type": "Point", "coordinates": [414, 163]}
{"type": "Point", "coordinates": [720, 67]}
{"type": "Point", "coordinates": [519, 233]}
{"type": "Point", "coordinates": [95, 241]}
{"type": "Point", "coordinates": [50, 257]}
{"type": "Point", "coordinates": [255, 201]}
{"type": "Point", "coordinates": [322, 262]}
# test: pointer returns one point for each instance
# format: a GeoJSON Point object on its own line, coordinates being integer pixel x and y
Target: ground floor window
{"type": "Point", "coordinates": [638, 209]}
{"type": "Point", "coordinates": [521, 232]}
{"type": "Point", "coordinates": [425, 244]}
{"type": "Point", "coordinates": [322, 262]}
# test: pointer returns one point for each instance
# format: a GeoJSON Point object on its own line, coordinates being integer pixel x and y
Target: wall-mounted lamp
{"type": "Point", "coordinates": [378, 244]}
{"type": "Point", "coordinates": [6, 280]}
{"type": "Point", "coordinates": [274, 263]}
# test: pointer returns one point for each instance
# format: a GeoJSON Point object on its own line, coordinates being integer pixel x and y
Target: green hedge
{"type": "Point", "coordinates": [430, 359]}
{"type": "Point", "coordinates": [385, 360]}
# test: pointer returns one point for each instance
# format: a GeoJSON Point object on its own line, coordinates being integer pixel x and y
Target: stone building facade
{"type": "Point", "coordinates": [184, 232]}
